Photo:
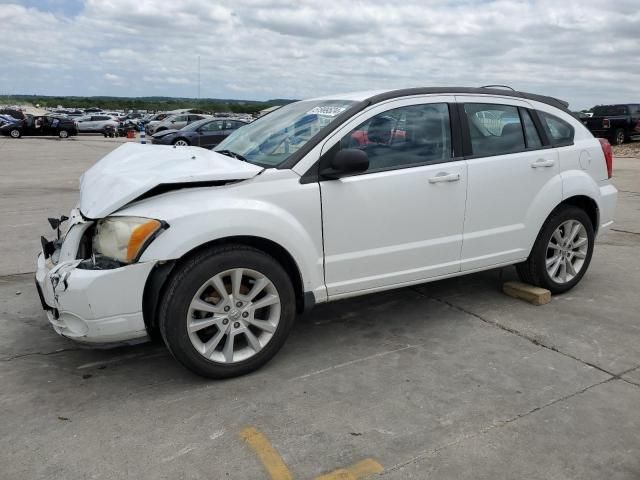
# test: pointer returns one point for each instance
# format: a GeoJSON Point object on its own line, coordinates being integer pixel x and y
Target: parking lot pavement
{"type": "Point", "coordinates": [446, 380]}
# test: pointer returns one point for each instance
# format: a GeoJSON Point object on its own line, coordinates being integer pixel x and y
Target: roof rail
{"type": "Point", "coordinates": [499, 86]}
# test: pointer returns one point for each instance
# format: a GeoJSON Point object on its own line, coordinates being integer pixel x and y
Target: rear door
{"type": "Point", "coordinates": [513, 179]}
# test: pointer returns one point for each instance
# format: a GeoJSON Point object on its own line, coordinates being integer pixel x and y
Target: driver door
{"type": "Point", "coordinates": [211, 133]}
{"type": "Point", "coordinates": [401, 221]}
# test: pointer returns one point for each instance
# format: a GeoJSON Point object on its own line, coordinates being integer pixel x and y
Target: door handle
{"type": "Point", "coordinates": [541, 162]}
{"type": "Point", "coordinates": [445, 177]}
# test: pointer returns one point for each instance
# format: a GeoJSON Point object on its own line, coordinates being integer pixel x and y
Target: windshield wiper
{"type": "Point", "coordinates": [231, 154]}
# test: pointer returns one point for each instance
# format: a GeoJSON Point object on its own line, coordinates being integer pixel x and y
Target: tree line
{"type": "Point", "coordinates": [145, 103]}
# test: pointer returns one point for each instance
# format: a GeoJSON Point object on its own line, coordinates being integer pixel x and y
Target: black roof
{"type": "Point", "coordinates": [405, 92]}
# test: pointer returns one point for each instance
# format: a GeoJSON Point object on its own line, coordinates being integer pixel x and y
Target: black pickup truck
{"type": "Point", "coordinates": [618, 123]}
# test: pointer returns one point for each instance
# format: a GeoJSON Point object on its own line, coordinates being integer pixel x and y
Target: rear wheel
{"type": "Point", "coordinates": [227, 311]}
{"type": "Point", "coordinates": [15, 133]}
{"type": "Point", "coordinates": [619, 137]}
{"type": "Point", "coordinates": [181, 142]}
{"type": "Point", "coordinates": [562, 252]}
{"type": "Point", "coordinates": [63, 134]}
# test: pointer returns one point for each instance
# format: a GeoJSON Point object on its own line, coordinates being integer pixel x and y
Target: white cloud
{"type": "Point", "coordinates": [580, 50]}
{"type": "Point", "coordinates": [114, 79]}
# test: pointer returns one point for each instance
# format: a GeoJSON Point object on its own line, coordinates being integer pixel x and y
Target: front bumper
{"type": "Point", "coordinates": [92, 306]}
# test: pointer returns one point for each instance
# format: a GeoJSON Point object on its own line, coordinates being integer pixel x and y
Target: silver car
{"type": "Point", "coordinates": [95, 123]}
{"type": "Point", "coordinates": [175, 122]}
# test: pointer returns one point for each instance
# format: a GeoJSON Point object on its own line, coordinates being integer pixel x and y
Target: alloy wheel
{"type": "Point", "coordinates": [15, 133]}
{"type": "Point", "coordinates": [233, 315]}
{"type": "Point", "coordinates": [567, 251]}
{"type": "Point", "coordinates": [181, 143]}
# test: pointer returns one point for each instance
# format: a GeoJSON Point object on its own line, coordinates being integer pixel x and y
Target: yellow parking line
{"type": "Point", "coordinates": [360, 470]}
{"type": "Point", "coordinates": [270, 458]}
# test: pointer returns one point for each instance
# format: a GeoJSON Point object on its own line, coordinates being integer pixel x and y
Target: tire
{"type": "Point", "coordinates": [191, 284]}
{"type": "Point", "coordinates": [534, 270]}
{"type": "Point", "coordinates": [15, 133]}
{"type": "Point", "coordinates": [63, 134]}
{"type": "Point", "coordinates": [618, 137]}
{"type": "Point", "coordinates": [181, 142]}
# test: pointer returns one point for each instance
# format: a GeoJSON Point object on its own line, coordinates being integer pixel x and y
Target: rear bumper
{"type": "Point", "coordinates": [94, 306]}
{"type": "Point", "coordinates": [608, 201]}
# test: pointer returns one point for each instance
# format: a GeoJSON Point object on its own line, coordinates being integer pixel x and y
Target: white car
{"type": "Point", "coordinates": [95, 123]}
{"type": "Point", "coordinates": [321, 200]}
{"type": "Point", "coordinates": [174, 122]}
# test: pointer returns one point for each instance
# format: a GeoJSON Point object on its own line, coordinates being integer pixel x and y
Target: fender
{"type": "Point", "coordinates": [280, 210]}
{"type": "Point", "coordinates": [573, 183]}
{"type": "Point", "coordinates": [546, 200]}
{"type": "Point", "coordinates": [579, 182]}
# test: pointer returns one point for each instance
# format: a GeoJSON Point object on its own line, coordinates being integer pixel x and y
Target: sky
{"type": "Point", "coordinates": [583, 51]}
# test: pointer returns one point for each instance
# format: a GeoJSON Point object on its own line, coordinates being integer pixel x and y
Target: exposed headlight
{"type": "Point", "coordinates": [124, 238]}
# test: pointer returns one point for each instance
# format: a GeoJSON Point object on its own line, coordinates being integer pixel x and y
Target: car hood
{"type": "Point", "coordinates": [164, 133]}
{"type": "Point", "coordinates": [133, 169]}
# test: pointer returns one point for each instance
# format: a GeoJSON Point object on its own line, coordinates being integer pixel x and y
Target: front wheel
{"type": "Point", "coordinates": [63, 134]}
{"type": "Point", "coordinates": [562, 252]}
{"type": "Point", "coordinates": [15, 133]}
{"type": "Point", "coordinates": [181, 142]}
{"type": "Point", "coordinates": [227, 311]}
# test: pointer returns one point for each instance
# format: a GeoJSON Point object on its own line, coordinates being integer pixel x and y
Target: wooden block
{"type": "Point", "coordinates": [526, 292]}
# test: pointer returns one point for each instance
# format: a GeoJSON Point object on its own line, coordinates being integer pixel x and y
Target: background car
{"type": "Point", "coordinates": [154, 119]}
{"type": "Point", "coordinates": [175, 122]}
{"type": "Point", "coordinates": [618, 123]}
{"type": "Point", "coordinates": [205, 133]}
{"type": "Point", "coordinates": [95, 123]}
{"type": "Point", "coordinates": [5, 119]}
{"type": "Point", "coordinates": [13, 113]}
{"type": "Point", "coordinates": [40, 126]}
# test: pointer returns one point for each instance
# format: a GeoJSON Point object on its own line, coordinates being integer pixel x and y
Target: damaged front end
{"type": "Point", "coordinates": [91, 280]}
{"type": "Point", "coordinates": [90, 297]}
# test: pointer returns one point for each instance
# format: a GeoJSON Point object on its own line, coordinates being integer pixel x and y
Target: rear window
{"type": "Point", "coordinates": [558, 131]}
{"type": "Point", "coordinates": [494, 129]}
{"type": "Point", "coordinates": [610, 110]}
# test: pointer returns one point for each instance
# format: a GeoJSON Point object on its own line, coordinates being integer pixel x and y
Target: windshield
{"type": "Point", "coordinates": [270, 140]}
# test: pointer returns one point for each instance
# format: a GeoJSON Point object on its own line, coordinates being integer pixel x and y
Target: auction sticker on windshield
{"type": "Point", "coordinates": [328, 111]}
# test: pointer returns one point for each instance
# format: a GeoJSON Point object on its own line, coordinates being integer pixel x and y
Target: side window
{"type": "Point", "coordinates": [530, 132]}
{"type": "Point", "coordinates": [494, 129]}
{"type": "Point", "coordinates": [559, 131]}
{"type": "Point", "coordinates": [212, 126]}
{"type": "Point", "coordinates": [405, 136]}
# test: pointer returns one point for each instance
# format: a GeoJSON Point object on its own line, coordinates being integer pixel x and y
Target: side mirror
{"type": "Point", "coordinates": [346, 162]}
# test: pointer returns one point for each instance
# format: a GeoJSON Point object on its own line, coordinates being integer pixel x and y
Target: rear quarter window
{"type": "Point", "coordinates": [559, 132]}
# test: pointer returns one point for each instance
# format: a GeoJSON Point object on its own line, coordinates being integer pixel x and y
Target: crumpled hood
{"type": "Point", "coordinates": [133, 169]}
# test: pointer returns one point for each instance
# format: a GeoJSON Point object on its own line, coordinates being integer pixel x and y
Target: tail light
{"type": "Point", "coordinates": [606, 123]}
{"type": "Point", "coordinates": [608, 155]}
